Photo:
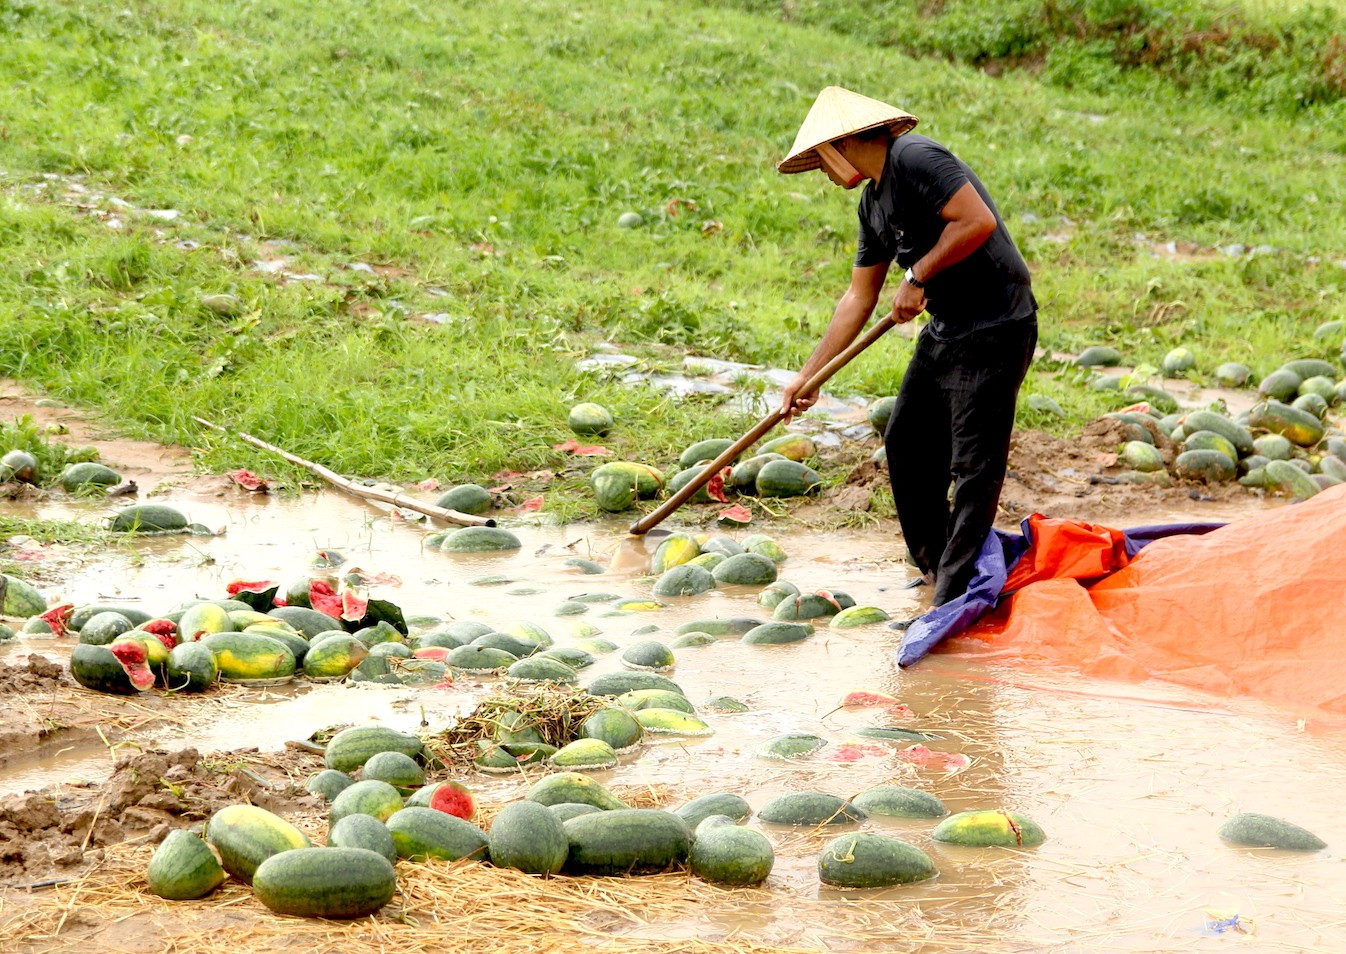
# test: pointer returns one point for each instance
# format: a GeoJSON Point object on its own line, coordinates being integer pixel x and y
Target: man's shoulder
{"type": "Point", "coordinates": [914, 148]}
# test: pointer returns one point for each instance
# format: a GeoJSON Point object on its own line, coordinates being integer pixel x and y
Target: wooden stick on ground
{"type": "Point", "coordinates": [368, 493]}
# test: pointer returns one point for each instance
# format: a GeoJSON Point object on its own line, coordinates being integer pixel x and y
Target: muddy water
{"type": "Point", "coordinates": [1130, 783]}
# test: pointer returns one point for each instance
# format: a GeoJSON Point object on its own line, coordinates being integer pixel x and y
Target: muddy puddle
{"type": "Point", "coordinates": [1129, 782]}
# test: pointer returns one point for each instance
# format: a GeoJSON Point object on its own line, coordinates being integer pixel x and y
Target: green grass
{"type": "Point", "coordinates": [477, 158]}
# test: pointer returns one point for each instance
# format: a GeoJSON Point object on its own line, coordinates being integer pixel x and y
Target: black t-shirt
{"type": "Point", "coordinates": [899, 220]}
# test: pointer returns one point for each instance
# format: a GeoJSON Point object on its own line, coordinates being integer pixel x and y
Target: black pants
{"type": "Point", "coordinates": [952, 423]}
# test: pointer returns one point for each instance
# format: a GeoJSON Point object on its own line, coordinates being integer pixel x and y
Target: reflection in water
{"type": "Point", "coordinates": [1130, 789]}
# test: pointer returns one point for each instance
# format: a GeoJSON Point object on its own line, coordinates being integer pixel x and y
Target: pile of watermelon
{"type": "Point", "coordinates": [1284, 443]}
{"type": "Point", "coordinates": [777, 469]}
{"type": "Point", "coordinates": [381, 811]}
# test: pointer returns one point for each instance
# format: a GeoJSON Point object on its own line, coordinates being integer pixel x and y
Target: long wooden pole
{"type": "Point", "coordinates": [369, 493]}
{"type": "Point", "coordinates": [656, 516]}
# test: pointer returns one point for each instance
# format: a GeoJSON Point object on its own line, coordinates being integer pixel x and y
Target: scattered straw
{"type": "Point", "coordinates": [469, 907]}
{"type": "Point", "coordinates": [555, 712]}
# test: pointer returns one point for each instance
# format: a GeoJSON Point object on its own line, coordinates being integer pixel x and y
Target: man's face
{"type": "Point", "coordinates": [847, 177]}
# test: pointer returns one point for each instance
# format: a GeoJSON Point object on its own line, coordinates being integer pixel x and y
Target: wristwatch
{"type": "Point", "coordinates": [913, 280]}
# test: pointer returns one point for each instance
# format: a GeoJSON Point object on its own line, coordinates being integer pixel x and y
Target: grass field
{"type": "Point", "coordinates": [344, 177]}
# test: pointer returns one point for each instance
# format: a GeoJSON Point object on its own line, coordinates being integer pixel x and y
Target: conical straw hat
{"type": "Point", "coordinates": [838, 112]}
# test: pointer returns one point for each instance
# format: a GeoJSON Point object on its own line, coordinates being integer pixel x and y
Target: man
{"type": "Point", "coordinates": [927, 211]}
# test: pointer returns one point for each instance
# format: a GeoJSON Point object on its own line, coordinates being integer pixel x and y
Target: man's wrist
{"type": "Point", "coordinates": [911, 279]}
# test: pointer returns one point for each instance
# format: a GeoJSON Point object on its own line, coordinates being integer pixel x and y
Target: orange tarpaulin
{"type": "Point", "coordinates": [1255, 608]}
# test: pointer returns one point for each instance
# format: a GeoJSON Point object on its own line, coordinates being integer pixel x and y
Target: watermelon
{"type": "Point", "coordinates": [325, 882]}
{"type": "Point", "coordinates": [398, 769]}
{"type": "Point", "coordinates": [480, 540]}
{"type": "Point", "coordinates": [245, 836]}
{"type": "Point", "coordinates": [895, 801]}
{"type": "Point", "coordinates": [868, 860]}
{"type": "Point", "coordinates": [572, 656]}
{"type": "Point", "coordinates": [366, 797]}
{"type": "Point", "coordinates": [787, 478]}
{"type": "Point", "coordinates": [1285, 476]}
{"type": "Point", "coordinates": [777, 633]}
{"type": "Point", "coordinates": [674, 550]}
{"type": "Point", "coordinates": [529, 837]}
{"type": "Point", "coordinates": [648, 655]}
{"type": "Point", "coordinates": [791, 746]}
{"type": "Point", "coordinates": [452, 798]}
{"type": "Point", "coordinates": [481, 659]}
{"type": "Point", "coordinates": [1310, 367]}
{"type": "Point", "coordinates": [1178, 362]}
{"type": "Point", "coordinates": [703, 451]}
{"type": "Point", "coordinates": [363, 831]}
{"type": "Point", "coordinates": [685, 579]}
{"type": "Point", "coordinates": [335, 657]}
{"type": "Point", "coordinates": [724, 804]}
{"type": "Point", "coordinates": [465, 498]}
{"type": "Point", "coordinates": [104, 628]}
{"type": "Point", "coordinates": [148, 518]}
{"type": "Point", "coordinates": [1097, 356]}
{"type": "Point", "coordinates": [695, 640]}
{"type": "Point", "coordinates": [351, 748]}
{"type": "Point", "coordinates": [575, 788]}
{"type": "Point", "coordinates": [724, 853]}
{"type": "Point", "coordinates": [772, 596]}
{"type": "Point", "coordinates": [615, 726]}
{"type": "Point", "coordinates": [542, 669]}
{"type": "Point", "coordinates": [88, 475]}
{"type": "Point", "coordinates": [516, 646]}
{"type": "Point", "coordinates": [617, 683]}
{"type": "Point", "coordinates": [684, 477]}
{"type": "Point", "coordinates": [982, 829]}
{"type": "Point", "coordinates": [584, 755]}
{"type": "Point", "coordinates": [1209, 440]}
{"type": "Point", "coordinates": [1231, 374]}
{"type": "Point", "coordinates": [766, 546]}
{"type": "Point", "coordinates": [306, 620]}
{"type": "Point", "coordinates": [743, 477]}
{"type": "Point", "coordinates": [251, 658]}
{"type": "Point", "coordinates": [100, 669]}
{"type": "Point", "coordinates": [88, 611]}
{"type": "Point", "coordinates": [809, 808]}
{"type": "Point", "coordinates": [671, 722]}
{"type": "Point", "coordinates": [183, 868]}
{"type": "Point", "coordinates": [421, 833]}
{"type": "Point", "coordinates": [329, 783]}
{"type": "Point", "coordinates": [191, 668]}
{"type": "Point", "coordinates": [626, 841]}
{"type": "Point", "coordinates": [18, 465]}
{"type": "Point", "coordinates": [655, 699]}
{"type": "Point", "coordinates": [564, 811]}
{"type": "Point", "coordinates": [18, 598]}
{"type": "Point", "coordinates": [795, 447]}
{"type": "Point", "coordinates": [858, 616]}
{"type": "Point", "coordinates": [1264, 831]}
{"type": "Point", "coordinates": [1210, 466]}
{"type": "Point", "coordinates": [1236, 434]}
{"type": "Point", "coordinates": [510, 756]}
{"type": "Point", "coordinates": [732, 626]}
{"type": "Point", "coordinates": [879, 413]}
{"type": "Point", "coordinates": [746, 569]}
{"type": "Point", "coordinates": [588, 418]}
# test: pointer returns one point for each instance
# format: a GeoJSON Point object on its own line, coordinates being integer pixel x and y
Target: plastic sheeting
{"type": "Point", "coordinates": [1253, 608]}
